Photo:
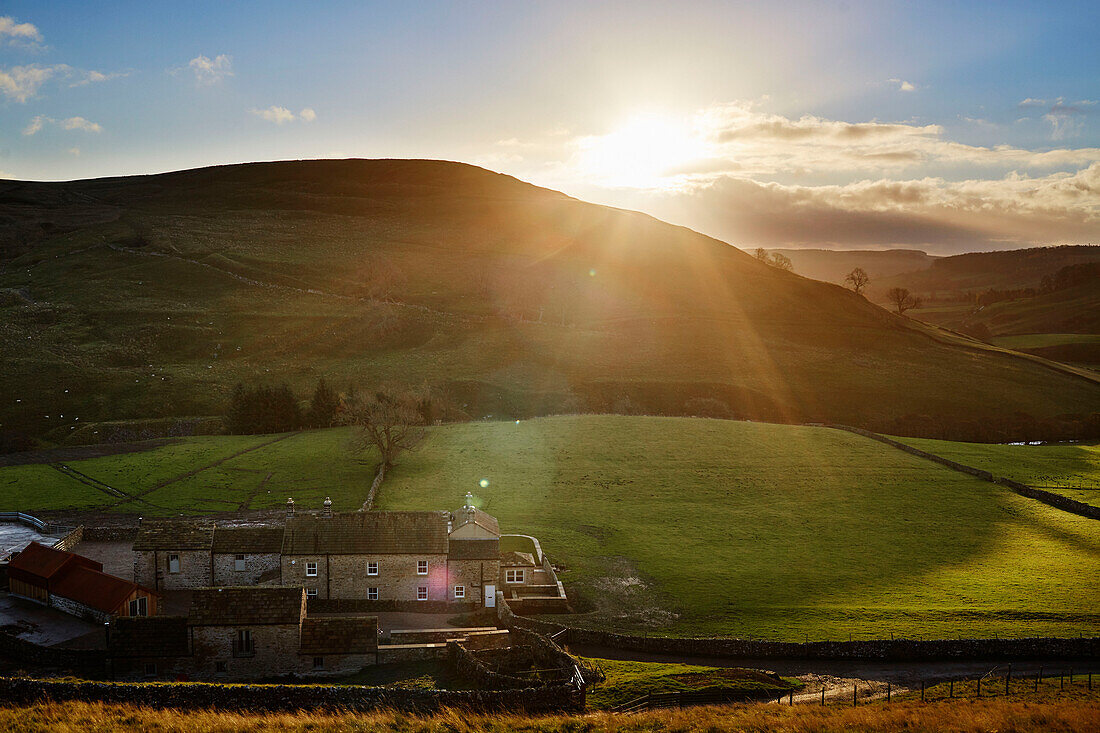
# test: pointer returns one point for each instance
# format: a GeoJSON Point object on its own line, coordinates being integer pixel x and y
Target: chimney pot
{"type": "Point", "coordinates": [290, 507]}
{"type": "Point", "coordinates": [326, 510]}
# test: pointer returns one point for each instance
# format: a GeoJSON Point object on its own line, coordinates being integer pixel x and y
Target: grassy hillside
{"type": "Point", "coordinates": [1071, 311]}
{"type": "Point", "coordinates": [832, 265]}
{"type": "Point", "coordinates": [151, 296]}
{"type": "Point", "coordinates": [1069, 469]}
{"type": "Point", "coordinates": [678, 525]}
{"type": "Point", "coordinates": [1007, 270]}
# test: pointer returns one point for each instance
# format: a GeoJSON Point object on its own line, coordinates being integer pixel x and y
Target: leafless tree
{"type": "Point", "coordinates": [389, 420]}
{"type": "Point", "coordinates": [902, 299]}
{"type": "Point", "coordinates": [781, 261]}
{"type": "Point", "coordinates": [858, 279]}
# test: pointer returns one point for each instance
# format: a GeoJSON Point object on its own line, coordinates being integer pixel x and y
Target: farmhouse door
{"type": "Point", "coordinates": [490, 596]}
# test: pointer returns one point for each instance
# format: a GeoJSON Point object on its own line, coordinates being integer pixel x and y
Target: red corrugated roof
{"type": "Point", "coordinates": [93, 588]}
{"type": "Point", "coordinates": [44, 562]}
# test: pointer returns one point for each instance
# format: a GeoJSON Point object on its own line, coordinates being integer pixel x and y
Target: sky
{"type": "Point", "coordinates": [943, 126]}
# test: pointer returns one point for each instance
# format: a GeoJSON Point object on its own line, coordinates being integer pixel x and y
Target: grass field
{"type": "Point", "coordinates": [626, 681]}
{"type": "Point", "coordinates": [687, 526]}
{"type": "Point", "coordinates": [1070, 469]}
{"type": "Point", "coordinates": [679, 525]}
{"type": "Point", "coordinates": [1008, 716]}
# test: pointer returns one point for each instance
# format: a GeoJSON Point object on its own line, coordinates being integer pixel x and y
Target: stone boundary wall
{"type": "Point", "coordinates": [89, 661]}
{"type": "Point", "coordinates": [894, 650]}
{"type": "Point", "coordinates": [114, 533]}
{"type": "Point", "coordinates": [373, 493]}
{"type": "Point", "coordinates": [272, 698]}
{"type": "Point", "coordinates": [1055, 500]}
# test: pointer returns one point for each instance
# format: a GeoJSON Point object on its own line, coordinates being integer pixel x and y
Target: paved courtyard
{"type": "Point", "coordinates": [42, 625]}
{"type": "Point", "coordinates": [14, 537]}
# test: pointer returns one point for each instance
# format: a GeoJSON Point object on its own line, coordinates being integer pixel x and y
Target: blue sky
{"type": "Point", "coordinates": [947, 126]}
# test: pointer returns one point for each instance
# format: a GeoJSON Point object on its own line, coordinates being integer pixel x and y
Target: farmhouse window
{"type": "Point", "coordinates": [318, 662]}
{"type": "Point", "coordinates": [372, 594]}
{"type": "Point", "coordinates": [372, 567]}
{"type": "Point", "coordinates": [422, 593]}
{"type": "Point", "coordinates": [220, 668]}
{"type": "Point", "coordinates": [150, 669]}
{"type": "Point", "coordinates": [460, 591]}
{"type": "Point", "coordinates": [173, 563]}
{"type": "Point", "coordinates": [243, 645]}
{"type": "Point", "coordinates": [311, 570]}
{"type": "Point", "coordinates": [139, 607]}
{"type": "Point", "coordinates": [421, 567]}
{"type": "Point", "coordinates": [311, 592]}
{"type": "Point", "coordinates": [238, 563]}
{"type": "Point", "coordinates": [513, 576]}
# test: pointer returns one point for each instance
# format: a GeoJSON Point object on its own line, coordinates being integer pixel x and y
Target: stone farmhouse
{"type": "Point", "coordinates": [425, 560]}
{"type": "Point", "coordinates": [242, 633]}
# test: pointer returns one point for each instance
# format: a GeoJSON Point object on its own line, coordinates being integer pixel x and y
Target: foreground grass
{"type": "Point", "coordinates": [1070, 469]}
{"type": "Point", "coordinates": [977, 716]}
{"type": "Point", "coordinates": [681, 526]}
{"type": "Point", "coordinates": [626, 681]}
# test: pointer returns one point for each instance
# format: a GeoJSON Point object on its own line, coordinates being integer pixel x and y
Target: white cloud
{"type": "Point", "coordinates": [23, 82]}
{"type": "Point", "coordinates": [74, 151]}
{"type": "Point", "coordinates": [281, 115]}
{"type": "Point", "coordinates": [278, 115]}
{"type": "Point", "coordinates": [211, 70]}
{"type": "Point", "coordinates": [79, 123]}
{"type": "Point", "coordinates": [903, 86]}
{"type": "Point", "coordinates": [95, 77]}
{"type": "Point", "coordinates": [71, 123]}
{"type": "Point", "coordinates": [18, 33]}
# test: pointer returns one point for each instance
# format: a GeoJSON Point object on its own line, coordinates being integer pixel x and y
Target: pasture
{"type": "Point", "coordinates": [675, 526]}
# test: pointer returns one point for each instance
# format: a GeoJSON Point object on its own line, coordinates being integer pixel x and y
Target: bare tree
{"type": "Point", "coordinates": [858, 279]}
{"type": "Point", "coordinates": [902, 299]}
{"type": "Point", "coordinates": [389, 420]}
{"type": "Point", "coordinates": [781, 261]}
{"type": "Point", "coordinates": [762, 254]}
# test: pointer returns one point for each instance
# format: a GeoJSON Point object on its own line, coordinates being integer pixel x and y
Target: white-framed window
{"type": "Point", "coordinates": [311, 592]}
{"type": "Point", "coordinates": [460, 591]}
{"type": "Point", "coordinates": [139, 607]}
{"type": "Point", "coordinates": [372, 567]}
{"type": "Point", "coordinates": [422, 593]}
{"type": "Point", "coordinates": [372, 594]}
{"type": "Point", "coordinates": [318, 662]}
{"type": "Point", "coordinates": [311, 569]}
{"type": "Point", "coordinates": [421, 567]}
{"type": "Point", "coordinates": [238, 563]}
{"type": "Point", "coordinates": [513, 576]}
{"type": "Point", "coordinates": [150, 669]}
{"type": "Point", "coordinates": [173, 563]}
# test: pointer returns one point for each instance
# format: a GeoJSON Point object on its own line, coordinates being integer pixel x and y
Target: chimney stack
{"type": "Point", "coordinates": [326, 508]}
{"type": "Point", "coordinates": [469, 507]}
{"type": "Point", "coordinates": [289, 507]}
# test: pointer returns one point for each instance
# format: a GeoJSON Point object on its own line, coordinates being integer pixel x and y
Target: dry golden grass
{"type": "Point", "coordinates": [963, 716]}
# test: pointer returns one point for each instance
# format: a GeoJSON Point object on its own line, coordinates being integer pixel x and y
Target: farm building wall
{"type": "Point", "coordinates": [473, 575]}
{"type": "Point", "coordinates": [151, 569]}
{"type": "Point", "coordinates": [255, 565]}
{"type": "Point", "coordinates": [275, 651]}
{"type": "Point", "coordinates": [345, 576]}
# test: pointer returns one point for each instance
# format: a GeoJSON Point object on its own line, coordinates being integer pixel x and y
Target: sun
{"type": "Point", "coordinates": [647, 151]}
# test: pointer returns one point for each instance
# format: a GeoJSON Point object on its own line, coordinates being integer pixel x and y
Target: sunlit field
{"type": "Point", "coordinates": [680, 525]}
{"type": "Point", "coordinates": [1070, 469]}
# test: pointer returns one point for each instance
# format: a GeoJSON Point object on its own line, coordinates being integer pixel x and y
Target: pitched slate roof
{"type": "Point", "coordinates": [517, 558]}
{"type": "Point", "coordinates": [339, 635]}
{"type": "Point", "coordinates": [485, 521]}
{"type": "Point", "coordinates": [40, 562]}
{"type": "Point", "coordinates": [474, 550]}
{"type": "Point", "coordinates": [94, 588]}
{"type": "Point", "coordinates": [367, 533]}
{"type": "Point", "coordinates": [246, 606]}
{"type": "Point", "coordinates": [148, 636]}
{"type": "Point", "coordinates": [247, 540]}
{"type": "Point", "coordinates": [174, 535]}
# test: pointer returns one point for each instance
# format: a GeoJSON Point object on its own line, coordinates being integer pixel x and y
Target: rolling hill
{"type": "Point", "coordinates": [150, 296]}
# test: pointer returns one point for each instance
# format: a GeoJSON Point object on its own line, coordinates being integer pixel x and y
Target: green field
{"type": "Point", "coordinates": [680, 525]}
{"type": "Point", "coordinates": [1070, 469]}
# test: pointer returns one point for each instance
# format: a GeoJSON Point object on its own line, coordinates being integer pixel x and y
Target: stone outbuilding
{"type": "Point", "coordinates": [243, 633]}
